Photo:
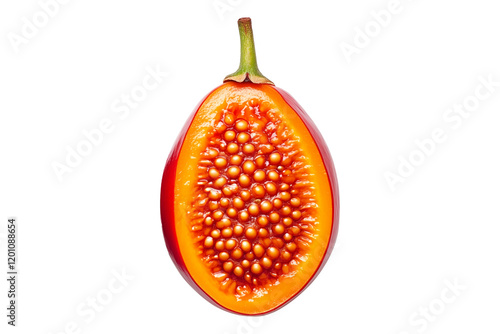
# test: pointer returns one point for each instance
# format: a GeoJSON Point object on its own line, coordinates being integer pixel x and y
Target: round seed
{"type": "Point", "coordinates": [209, 221]}
{"type": "Point", "coordinates": [258, 191]}
{"type": "Point", "coordinates": [245, 195]}
{"type": "Point", "coordinates": [248, 167]}
{"type": "Point", "coordinates": [266, 262]}
{"type": "Point", "coordinates": [229, 119]}
{"type": "Point", "coordinates": [227, 191]}
{"type": "Point", "coordinates": [230, 244]}
{"type": "Point", "coordinates": [227, 233]}
{"type": "Point", "coordinates": [241, 125]}
{"type": "Point", "coordinates": [279, 229]}
{"type": "Point", "coordinates": [213, 173]}
{"type": "Point", "coordinates": [277, 203]}
{"type": "Point", "coordinates": [284, 187]}
{"type": "Point", "coordinates": [219, 245]}
{"type": "Point", "coordinates": [238, 271]}
{"type": "Point", "coordinates": [296, 214]}
{"type": "Point", "coordinates": [275, 158]}
{"type": "Point", "coordinates": [295, 202]}
{"type": "Point", "coordinates": [220, 182]}
{"type": "Point", "coordinates": [238, 230]}
{"type": "Point", "coordinates": [274, 217]}
{"type": "Point", "coordinates": [233, 172]}
{"type": "Point", "coordinates": [285, 195]}
{"type": "Point", "coordinates": [237, 254]}
{"type": "Point", "coordinates": [273, 252]}
{"type": "Point", "coordinates": [256, 269]}
{"type": "Point", "coordinates": [262, 221]}
{"type": "Point", "coordinates": [245, 263]}
{"type": "Point", "coordinates": [291, 247]}
{"type": "Point", "coordinates": [259, 176]}
{"type": "Point", "coordinates": [287, 221]}
{"type": "Point", "coordinates": [243, 137]}
{"type": "Point", "coordinates": [263, 233]}
{"type": "Point", "coordinates": [232, 148]}
{"type": "Point", "coordinates": [209, 242]}
{"type": "Point", "coordinates": [224, 202]}
{"type": "Point", "coordinates": [271, 188]}
{"type": "Point", "coordinates": [231, 212]}
{"type": "Point", "coordinates": [223, 256]}
{"type": "Point", "coordinates": [229, 135]}
{"type": "Point", "coordinates": [236, 160]}
{"type": "Point", "coordinates": [238, 203]}
{"type": "Point", "coordinates": [273, 175]}
{"type": "Point", "coordinates": [266, 206]}
{"type": "Point", "coordinates": [246, 246]}
{"type": "Point", "coordinates": [258, 250]}
{"type": "Point", "coordinates": [253, 209]}
{"type": "Point", "coordinates": [217, 215]}
{"type": "Point", "coordinates": [251, 233]}
{"type": "Point", "coordinates": [212, 153]}
{"type": "Point", "coordinates": [220, 162]}
{"type": "Point", "coordinates": [214, 194]}
{"type": "Point", "coordinates": [244, 180]}
{"type": "Point", "coordinates": [286, 210]}
{"type": "Point", "coordinates": [243, 216]}
{"type": "Point", "coordinates": [287, 237]}
{"type": "Point", "coordinates": [215, 234]}
{"type": "Point", "coordinates": [228, 266]}
{"type": "Point", "coordinates": [286, 255]}
{"type": "Point", "coordinates": [260, 161]}
{"type": "Point", "coordinates": [248, 149]}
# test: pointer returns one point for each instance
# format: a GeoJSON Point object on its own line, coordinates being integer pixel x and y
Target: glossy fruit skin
{"type": "Point", "coordinates": [167, 207]}
{"type": "Point", "coordinates": [167, 195]}
{"type": "Point", "coordinates": [330, 168]}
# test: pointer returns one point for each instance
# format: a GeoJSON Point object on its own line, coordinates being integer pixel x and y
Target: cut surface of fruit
{"type": "Point", "coordinates": [249, 197]}
{"type": "Point", "coordinates": [253, 201]}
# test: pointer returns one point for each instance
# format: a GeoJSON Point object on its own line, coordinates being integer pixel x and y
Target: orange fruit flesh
{"type": "Point", "coordinates": [253, 198]}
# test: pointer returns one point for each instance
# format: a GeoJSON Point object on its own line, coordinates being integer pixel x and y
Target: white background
{"type": "Point", "coordinates": [396, 249]}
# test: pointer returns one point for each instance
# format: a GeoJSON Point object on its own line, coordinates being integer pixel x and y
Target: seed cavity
{"type": "Point", "coordinates": [254, 208]}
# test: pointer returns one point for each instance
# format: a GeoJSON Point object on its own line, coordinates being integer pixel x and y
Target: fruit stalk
{"type": "Point", "coordinates": [248, 70]}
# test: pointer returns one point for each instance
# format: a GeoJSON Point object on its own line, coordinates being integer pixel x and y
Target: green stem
{"type": "Point", "coordinates": [248, 70]}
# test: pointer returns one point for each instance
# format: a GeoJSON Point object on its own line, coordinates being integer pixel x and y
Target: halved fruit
{"type": "Point", "coordinates": [249, 198]}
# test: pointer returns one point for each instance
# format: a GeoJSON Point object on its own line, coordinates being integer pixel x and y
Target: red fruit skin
{"type": "Point", "coordinates": [167, 208]}
{"type": "Point", "coordinates": [167, 202]}
{"type": "Point", "coordinates": [330, 169]}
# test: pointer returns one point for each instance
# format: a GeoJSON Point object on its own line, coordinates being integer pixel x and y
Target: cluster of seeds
{"type": "Point", "coordinates": [254, 207]}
